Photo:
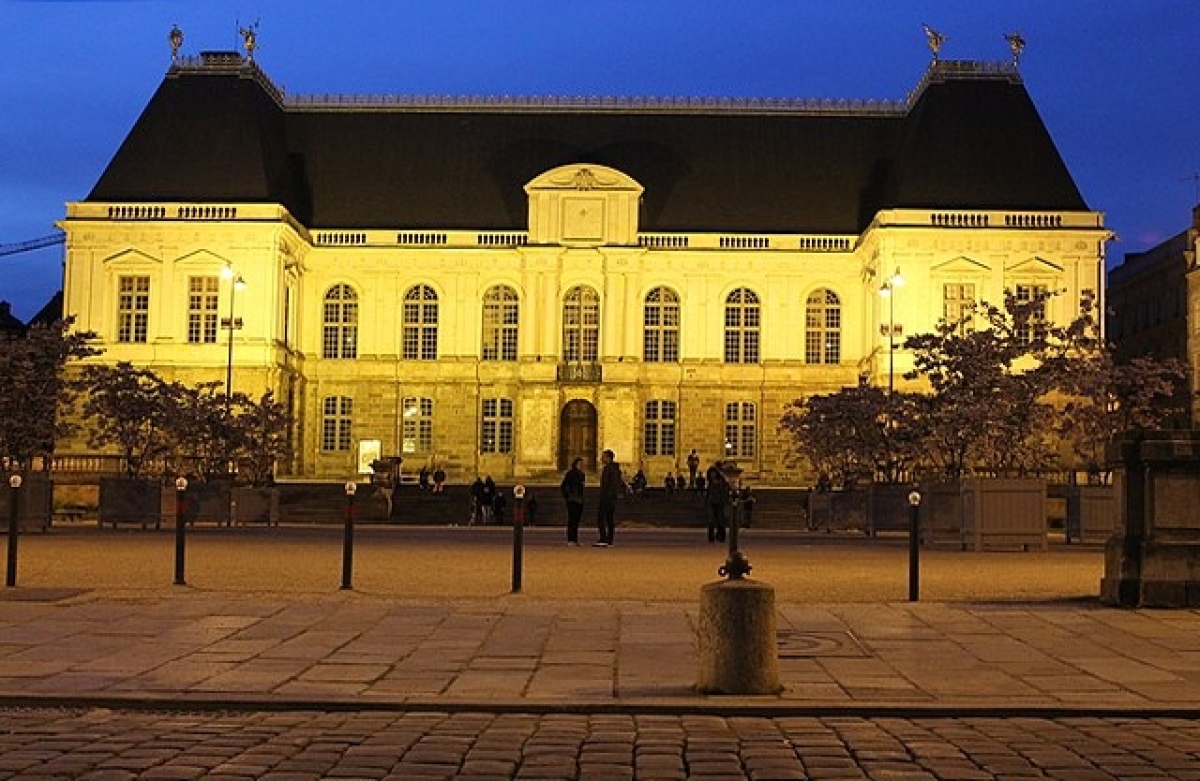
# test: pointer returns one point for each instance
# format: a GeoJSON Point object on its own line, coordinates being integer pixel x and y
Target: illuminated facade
{"type": "Point", "coordinates": [499, 286]}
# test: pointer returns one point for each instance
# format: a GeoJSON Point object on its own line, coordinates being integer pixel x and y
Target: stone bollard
{"type": "Point", "coordinates": [737, 641]}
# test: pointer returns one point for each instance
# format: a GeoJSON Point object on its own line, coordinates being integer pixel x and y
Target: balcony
{"type": "Point", "coordinates": [580, 372]}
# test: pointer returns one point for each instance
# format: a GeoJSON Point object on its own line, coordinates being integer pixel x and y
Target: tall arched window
{"type": "Point", "coordinates": [741, 326]}
{"type": "Point", "coordinates": [660, 336]}
{"type": "Point", "coordinates": [501, 310]}
{"type": "Point", "coordinates": [339, 338]}
{"type": "Point", "coordinates": [581, 325]}
{"type": "Point", "coordinates": [823, 328]}
{"type": "Point", "coordinates": [420, 324]}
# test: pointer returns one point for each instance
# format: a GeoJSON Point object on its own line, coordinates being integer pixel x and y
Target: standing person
{"type": "Point", "coordinates": [718, 497]}
{"type": "Point", "coordinates": [693, 464]}
{"type": "Point", "coordinates": [488, 499]}
{"type": "Point", "coordinates": [572, 491]}
{"type": "Point", "coordinates": [439, 479]}
{"type": "Point", "coordinates": [476, 500]}
{"type": "Point", "coordinates": [423, 478]}
{"type": "Point", "coordinates": [747, 502]}
{"type": "Point", "coordinates": [612, 487]}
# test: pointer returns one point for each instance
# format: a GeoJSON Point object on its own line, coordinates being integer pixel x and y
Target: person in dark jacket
{"type": "Point", "coordinates": [572, 491]}
{"type": "Point", "coordinates": [718, 497]}
{"type": "Point", "coordinates": [612, 487]}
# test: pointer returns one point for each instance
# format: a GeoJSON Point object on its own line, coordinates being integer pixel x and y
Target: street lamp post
{"type": "Point", "coordinates": [891, 330]}
{"type": "Point", "coordinates": [231, 324]}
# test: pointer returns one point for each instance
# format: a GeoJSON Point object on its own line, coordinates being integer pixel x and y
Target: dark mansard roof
{"type": "Point", "coordinates": [217, 130]}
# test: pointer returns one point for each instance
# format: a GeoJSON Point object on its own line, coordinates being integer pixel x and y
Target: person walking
{"type": "Point", "coordinates": [612, 487]}
{"type": "Point", "coordinates": [718, 497]}
{"type": "Point", "coordinates": [572, 491]}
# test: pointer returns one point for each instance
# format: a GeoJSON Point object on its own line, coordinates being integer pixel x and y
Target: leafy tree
{"type": "Point", "coordinates": [262, 437]}
{"type": "Point", "coordinates": [34, 389]}
{"type": "Point", "coordinates": [992, 405]}
{"type": "Point", "coordinates": [856, 429]}
{"type": "Point", "coordinates": [1106, 398]}
{"type": "Point", "coordinates": [131, 409]}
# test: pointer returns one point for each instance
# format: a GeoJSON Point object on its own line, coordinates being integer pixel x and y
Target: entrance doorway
{"type": "Point", "coordinates": [577, 435]}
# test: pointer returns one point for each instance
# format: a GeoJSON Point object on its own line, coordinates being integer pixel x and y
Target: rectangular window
{"type": "Point", "coordinates": [496, 435]}
{"type": "Point", "coordinates": [957, 300]}
{"type": "Point", "coordinates": [1033, 296]}
{"type": "Point", "coordinates": [659, 429]}
{"type": "Point", "coordinates": [133, 309]}
{"type": "Point", "coordinates": [203, 298]}
{"type": "Point", "coordinates": [740, 429]}
{"type": "Point", "coordinates": [336, 416]}
{"type": "Point", "coordinates": [417, 427]}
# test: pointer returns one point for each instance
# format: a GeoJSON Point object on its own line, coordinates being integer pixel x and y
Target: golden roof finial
{"type": "Point", "coordinates": [176, 39]}
{"type": "Point", "coordinates": [249, 39]}
{"type": "Point", "coordinates": [1016, 42]}
{"type": "Point", "coordinates": [936, 40]}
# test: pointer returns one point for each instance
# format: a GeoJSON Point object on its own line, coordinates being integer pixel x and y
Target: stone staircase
{"type": "Point", "coordinates": [316, 503]}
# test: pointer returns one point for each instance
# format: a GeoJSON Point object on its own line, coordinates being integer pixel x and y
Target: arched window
{"type": "Point", "coordinates": [741, 326]}
{"type": "Point", "coordinates": [420, 324]}
{"type": "Point", "coordinates": [340, 336]}
{"type": "Point", "coordinates": [660, 337]}
{"type": "Point", "coordinates": [581, 325]}
{"type": "Point", "coordinates": [501, 310]}
{"type": "Point", "coordinates": [823, 328]}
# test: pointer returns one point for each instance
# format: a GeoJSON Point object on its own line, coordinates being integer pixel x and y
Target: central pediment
{"type": "Point", "coordinates": [583, 205]}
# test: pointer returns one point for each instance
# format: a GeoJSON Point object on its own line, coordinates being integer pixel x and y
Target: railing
{"type": "Point", "coordinates": [580, 372]}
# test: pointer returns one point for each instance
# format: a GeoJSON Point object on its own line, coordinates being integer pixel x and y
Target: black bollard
{"type": "Point", "coordinates": [181, 485]}
{"type": "Point", "coordinates": [348, 538]}
{"type": "Point", "coordinates": [14, 506]}
{"type": "Point", "coordinates": [914, 546]}
{"type": "Point", "coordinates": [518, 537]}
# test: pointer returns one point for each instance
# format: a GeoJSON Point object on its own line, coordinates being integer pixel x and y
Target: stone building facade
{"type": "Point", "coordinates": [499, 286]}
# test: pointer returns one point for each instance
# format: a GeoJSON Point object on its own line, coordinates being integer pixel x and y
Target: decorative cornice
{"type": "Point", "coordinates": [939, 71]}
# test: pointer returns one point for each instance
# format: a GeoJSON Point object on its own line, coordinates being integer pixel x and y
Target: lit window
{"type": "Point", "coordinates": [420, 324]}
{"type": "Point", "coordinates": [417, 425]}
{"type": "Point", "coordinates": [1032, 297]}
{"type": "Point", "coordinates": [340, 336]}
{"type": "Point", "coordinates": [741, 327]}
{"type": "Point", "coordinates": [336, 414]}
{"type": "Point", "coordinates": [501, 310]}
{"type": "Point", "coordinates": [133, 309]}
{"type": "Point", "coordinates": [203, 299]}
{"type": "Point", "coordinates": [958, 301]}
{"type": "Point", "coordinates": [823, 328]}
{"type": "Point", "coordinates": [581, 325]}
{"type": "Point", "coordinates": [659, 429]}
{"type": "Point", "coordinates": [496, 435]}
{"type": "Point", "coordinates": [660, 340]}
{"type": "Point", "coordinates": [740, 429]}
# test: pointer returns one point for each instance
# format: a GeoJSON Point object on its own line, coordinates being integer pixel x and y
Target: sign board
{"type": "Point", "coordinates": [368, 450]}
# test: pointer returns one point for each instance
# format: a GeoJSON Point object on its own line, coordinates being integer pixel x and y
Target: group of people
{"type": "Point", "coordinates": [490, 506]}
{"type": "Point", "coordinates": [437, 474]}
{"type": "Point", "coordinates": [612, 487]}
{"type": "Point", "coordinates": [712, 483]}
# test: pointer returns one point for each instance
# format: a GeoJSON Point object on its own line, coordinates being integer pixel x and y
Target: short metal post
{"type": "Point", "coordinates": [14, 505]}
{"type": "Point", "coordinates": [348, 538]}
{"type": "Point", "coordinates": [914, 546]}
{"type": "Point", "coordinates": [181, 485]}
{"type": "Point", "coordinates": [518, 537]}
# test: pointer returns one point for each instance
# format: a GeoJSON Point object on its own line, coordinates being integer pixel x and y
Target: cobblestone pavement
{"type": "Point", "coordinates": [106, 745]}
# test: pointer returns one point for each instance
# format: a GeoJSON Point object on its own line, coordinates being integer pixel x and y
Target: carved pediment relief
{"type": "Point", "coordinates": [132, 257]}
{"type": "Point", "coordinates": [1034, 267]}
{"type": "Point", "coordinates": [203, 258]}
{"type": "Point", "coordinates": [961, 265]}
{"type": "Point", "coordinates": [583, 205]}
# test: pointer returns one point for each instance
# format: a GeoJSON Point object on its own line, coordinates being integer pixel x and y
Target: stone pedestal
{"type": "Point", "coordinates": [737, 641]}
{"type": "Point", "coordinates": [1153, 559]}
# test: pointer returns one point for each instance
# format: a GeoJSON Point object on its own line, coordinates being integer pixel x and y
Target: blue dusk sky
{"type": "Point", "coordinates": [1116, 82]}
